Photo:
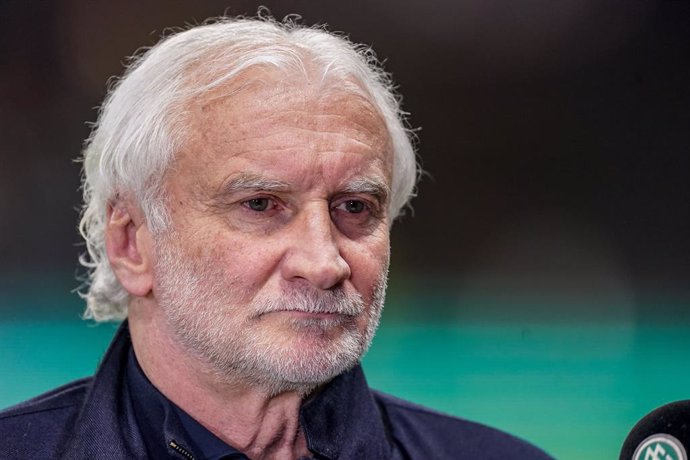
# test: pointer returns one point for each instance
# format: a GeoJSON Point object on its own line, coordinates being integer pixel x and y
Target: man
{"type": "Point", "coordinates": [239, 189]}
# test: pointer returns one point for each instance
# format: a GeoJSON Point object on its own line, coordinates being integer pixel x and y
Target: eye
{"type": "Point", "coordinates": [353, 206]}
{"type": "Point", "coordinates": [356, 216]}
{"type": "Point", "coordinates": [258, 204]}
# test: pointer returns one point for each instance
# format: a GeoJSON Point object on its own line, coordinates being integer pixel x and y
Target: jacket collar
{"type": "Point", "coordinates": [340, 421]}
{"type": "Point", "coordinates": [106, 422]}
{"type": "Point", "coordinates": [343, 420]}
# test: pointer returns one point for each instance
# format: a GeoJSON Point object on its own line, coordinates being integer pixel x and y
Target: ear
{"type": "Point", "coordinates": [129, 247]}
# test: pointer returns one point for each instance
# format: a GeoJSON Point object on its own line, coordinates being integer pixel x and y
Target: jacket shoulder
{"type": "Point", "coordinates": [37, 428]}
{"type": "Point", "coordinates": [422, 432]}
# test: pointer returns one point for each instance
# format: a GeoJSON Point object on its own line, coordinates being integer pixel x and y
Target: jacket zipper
{"type": "Point", "coordinates": [180, 450]}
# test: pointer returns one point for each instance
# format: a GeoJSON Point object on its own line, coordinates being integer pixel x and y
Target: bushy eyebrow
{"type": "Point", "coordinates": [244, 182]}
{"type": "Point", "coordinates": [369, 186]}
{"type": "Point", "coordinates": [252, 182]}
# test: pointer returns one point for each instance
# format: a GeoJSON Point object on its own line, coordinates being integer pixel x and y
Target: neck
{"type": "Point", "coordinates": [249, 418]}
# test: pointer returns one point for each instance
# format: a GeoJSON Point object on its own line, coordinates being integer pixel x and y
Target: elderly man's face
{"type": "Point", "coordinates": [275, 269]}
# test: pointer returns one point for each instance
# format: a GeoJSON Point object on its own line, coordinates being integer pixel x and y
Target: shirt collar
{"type": "Point", "coordinates": [162, 422]}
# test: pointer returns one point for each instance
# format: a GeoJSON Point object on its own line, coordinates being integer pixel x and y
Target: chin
{"type": "Point", "coordinates": [302, 364]}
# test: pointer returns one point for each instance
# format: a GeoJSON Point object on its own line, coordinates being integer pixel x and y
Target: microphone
{"type": "Point", "coordinates": [663, 434]}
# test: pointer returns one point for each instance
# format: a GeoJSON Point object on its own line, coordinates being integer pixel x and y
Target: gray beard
{"type": "Point", "coordinates": [209, 318]}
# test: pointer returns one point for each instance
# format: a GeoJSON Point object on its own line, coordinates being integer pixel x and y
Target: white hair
{"type": "Point", "coordinates": [141, 122]}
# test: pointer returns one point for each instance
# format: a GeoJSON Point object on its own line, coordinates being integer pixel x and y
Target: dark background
{"type": "Point", "coordinates": [541, 285]}
{"type": "Point", "coordinates": [554, 134]}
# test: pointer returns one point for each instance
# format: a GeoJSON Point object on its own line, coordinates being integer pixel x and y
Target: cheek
{"type": "Point", "coordinates": [369, 264]}
{"type": "Point", "coordinates": [244, 261]}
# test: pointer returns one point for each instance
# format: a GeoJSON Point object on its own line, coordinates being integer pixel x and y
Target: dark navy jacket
{"type": "Point", "coordinates": [94, 418]}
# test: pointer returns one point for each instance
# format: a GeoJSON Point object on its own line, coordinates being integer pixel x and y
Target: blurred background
{"type": "Point", "coordinates": [541, 283]}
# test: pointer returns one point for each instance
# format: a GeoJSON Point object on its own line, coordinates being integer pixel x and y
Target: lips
{"type": "Point", "coordinates": [311, 304]}
{"type": "Point", "coordinates": [312, 314]}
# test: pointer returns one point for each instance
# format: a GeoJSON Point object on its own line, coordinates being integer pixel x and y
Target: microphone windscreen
{"type": "Point", "coordinates": [663, 434]}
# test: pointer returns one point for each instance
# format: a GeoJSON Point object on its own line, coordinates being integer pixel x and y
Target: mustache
{"type": "Point", "coordinates": [335, 301]}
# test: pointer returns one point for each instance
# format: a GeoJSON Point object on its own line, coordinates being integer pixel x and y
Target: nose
{"type": "Point", "coordinates": [313, 253]}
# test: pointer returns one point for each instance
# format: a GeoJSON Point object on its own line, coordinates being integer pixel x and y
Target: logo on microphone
{"type": "Point", "coordinates": [660, 447]}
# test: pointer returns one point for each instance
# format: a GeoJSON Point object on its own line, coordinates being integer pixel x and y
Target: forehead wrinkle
{"type": "Point", "coordinates": [311, 122]}
{"type": "Point", "coordinates": [312, 112]}
{"type": "Point", "coordinates": [288, 141]}
{"type": "Point", "coordinates": [292, 130]}
{"type": "Point", "coordinates": [290, 110]}
{"type": "Point", "coordinates": [366, 121]}
{"type": "Point", "coordinates": [280, 119]}
{"type": "Point", "coordinates": [267, 131]}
